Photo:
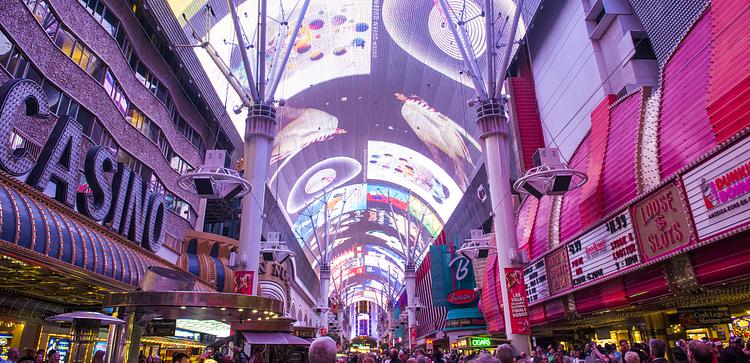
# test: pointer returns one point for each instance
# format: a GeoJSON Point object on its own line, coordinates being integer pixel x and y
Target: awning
{"type": "Point", "coordinates": [275, 338]}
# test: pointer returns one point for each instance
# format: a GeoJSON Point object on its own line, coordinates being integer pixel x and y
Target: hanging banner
{"type": "Point", "coordinates": [535, 278]}
{"type": "Point", "coordinates": [243, 282]}
{"type": "Point", "coordinates": [661, 223]}
{"type": "Point", "coordinates": [718, 191]}
{"type": "Point", "coordinates": [519, 307]}
{"type": "Point", "coordinates": [558, 271]}
{"type": "Point", "coordinates": [605, 250]}
{"type": "Point", "coordinates": [413, 338]}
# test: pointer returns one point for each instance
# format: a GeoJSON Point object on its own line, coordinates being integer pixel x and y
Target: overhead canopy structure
{"type": "Point", "coordinates": [375, 135]}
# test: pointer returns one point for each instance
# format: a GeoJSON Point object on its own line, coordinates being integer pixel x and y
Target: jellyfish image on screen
{"type": "Point", "coordinates": [439, 133]}
{"type": "Point", "coordinates": [304, 128]}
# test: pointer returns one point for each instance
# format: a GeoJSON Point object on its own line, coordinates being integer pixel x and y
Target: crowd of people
{"type": "Point", "coordinates": [323, 350]}
{"type": "Point", "coordinates": [30, 356]}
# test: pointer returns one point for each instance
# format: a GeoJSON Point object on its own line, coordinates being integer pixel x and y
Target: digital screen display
{"type": "Point", "coordinates": [375, 135]}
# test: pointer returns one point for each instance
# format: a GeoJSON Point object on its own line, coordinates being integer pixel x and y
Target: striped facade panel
{"type": "Point", "coordinates": [666, 22]}
{"type": "Point", "coordinates": [714, 264]}
{"type": "Point", "coordinates": [431, 318]}
{"type": "Point", "coordinates": [619, 183]}
{"type": "Point", "coordinates": [570, 215]}
{"type": "Point", "coordinates": [554, 309]}
{"type": "Point", "coordinates": [526, 111]}
{"type": "Point", "coordinates": [525, 224]}
{"type": "Point", "coordinates": [647, 284]}
{"type": "Point", "coordinates": [491, 300]}
{"type": "Point", "coordinates": [27, 221]}
{"type": "Point", "coordinates": [685, 131]}
{"type": "Point", "coordinates": [591, 193]}
{"type": "Point", "coordinates": [540, 242]}
{"type": "Point", "coordinates": [729, 90]}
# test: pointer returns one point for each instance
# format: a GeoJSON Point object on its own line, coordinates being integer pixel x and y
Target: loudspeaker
{"type": "Point", "coordinates": [531, 189]}
{"type": "Point", "coordinates": [561, 184]}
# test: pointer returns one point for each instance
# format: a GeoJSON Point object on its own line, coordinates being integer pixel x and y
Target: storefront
{"type": "Point", "coordinates": [671, 264]}
{"type": "Point", "coordinates": [475, 344]}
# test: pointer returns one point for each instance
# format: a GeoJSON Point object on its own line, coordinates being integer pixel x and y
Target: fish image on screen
{"type": "Point", "coordinates": [439, 133]}
{"type": "Point", "coordinates": [301, 128]}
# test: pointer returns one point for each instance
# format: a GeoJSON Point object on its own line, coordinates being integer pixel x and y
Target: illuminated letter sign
{"type": "Point", "coordinates": [125, 205]}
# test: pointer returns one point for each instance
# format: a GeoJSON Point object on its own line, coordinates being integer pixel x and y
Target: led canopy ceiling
{"type": "Point", "coordinates": [375, 143]}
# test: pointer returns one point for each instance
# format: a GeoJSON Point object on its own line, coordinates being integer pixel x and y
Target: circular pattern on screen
{"type": "Point", "coordinates": [338, 20]}
{"type": "Point", "coordinates": [303, 48]}
{"type": "Point", "coordinates": [339, 51]}
{"type": "Point", "coordinates": [443, 37]}
{"type": "Point", "coordinates": [361, 27]}
{"type": "Point", "coordinates": [316, 55]}
{"type": "Point", "coordinates": [319, 180]}
{"type": "Point", "coordinates": [358, 42]}
{"type": "Point", "coordinates": [316, 24]}
{"type": "Point", "coordinates": [327, 174]}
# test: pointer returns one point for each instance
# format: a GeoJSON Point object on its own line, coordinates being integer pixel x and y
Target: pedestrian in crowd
{"type": "Point", "coordinates": [368, 360]}
{"type": "Point", "coordinates": [13, 356]}
{"type": "Point", "coordinates": [322, 350]}
{"type": "Point", "coordinates": [624, 347]}
{"type": "Point", "coordinates": [733, 354]}
{"type": "Point", "coordinates": [504, 353]}
{"type": "Point", "coordinates": [26, 359]}
{"type": "Point", "coordinates": [53, 356]}
{"type": "Point", "coordinates": [630, 357]}
{"type": "Point", "coordinates": [150, 359]}
{"type": "Point", "coordinates": [699, 352]}
{"type": "Point", "coordinates": [394, 357]}
{"type": "Point", "coordinates": [658, 349]}
{"type": "Point", "coordinates": [411, 360]}
{"type": "Point", "coordinates": [98, 357]}
{"type": "Point", "coordinates": [39, 356]}
{"type": "Point", "coordinates": [181, 358]}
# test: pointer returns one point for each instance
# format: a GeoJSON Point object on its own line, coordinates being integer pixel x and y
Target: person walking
{"type": "Point", "coordinates": [657, 349]}
{"type": "Point", "coordinates": [322, 350]}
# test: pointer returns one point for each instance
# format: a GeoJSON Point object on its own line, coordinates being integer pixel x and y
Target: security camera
{"type": "Point", "coordinates": [237, 109]}
{"type": "Point", "coordinates": [281, 102]}
{"type": "Point", "coordinates": [471, 103]}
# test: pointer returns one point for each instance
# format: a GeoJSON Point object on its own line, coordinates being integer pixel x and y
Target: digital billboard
{"type": "Point", "coordinates": [375, 134]}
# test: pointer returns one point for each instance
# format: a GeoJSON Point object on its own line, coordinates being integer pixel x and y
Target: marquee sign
{"type": "Point", "coordinates": [661, 223]}
{"type": "Point", "coordinates": [535, 278]}
{"type": "Point", "coordinates": [558, 271]}
{"type": "Point", "coordinates": [123, 205]}
{"type": "Point", "coordinates": [605, 250]}
{"type": "Point", "coordinates": [718, 191]}
{"type": "Point", "coordinates": [462, 296]}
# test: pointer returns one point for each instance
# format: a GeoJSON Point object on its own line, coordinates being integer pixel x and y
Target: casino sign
{"type": "Point", "coordinates": [124, 205]}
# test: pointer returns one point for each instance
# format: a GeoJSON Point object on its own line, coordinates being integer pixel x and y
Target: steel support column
{"type": "Point", "coordinates": [493, 130]}
{"type": "Point", "coordinates": [259, 134]}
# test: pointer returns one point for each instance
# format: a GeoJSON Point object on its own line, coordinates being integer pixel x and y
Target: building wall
{"type": "Point", "coordinates": [558, 40]}
{"type": "Point", "coordinates": [58, 69]}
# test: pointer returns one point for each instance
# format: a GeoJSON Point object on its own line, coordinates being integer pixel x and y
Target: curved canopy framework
{"type": "Point", "coordinates": [375, 142]}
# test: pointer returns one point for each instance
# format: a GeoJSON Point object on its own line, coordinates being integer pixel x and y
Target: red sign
{"type": "Point", "coordinates": [558, 271]}
{"type": "Point", "coordinates": [463, 296]}
{"type": "Point", "coordinates": [662, 224]}
{"type": "Point", "coordinates": [519, 307]}
{"type": "Point", "coordinates": [413, 338]}
{"type": "Point", "coordinates": [323, 332]}
{"type": "Point", "coordinates": [243, 282]}
{"type": "Point", "coordinates": [357, 270]}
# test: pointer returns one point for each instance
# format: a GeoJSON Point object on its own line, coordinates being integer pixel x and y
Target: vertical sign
{"type": "Point", "coordinates": [558, 271]}
{"type": "Point", "coordinates": [661, 223]}
{"type": "Point", "coordinates": [413, 338]}
{"type": "Point", "coordinates": [718, 191]}
{"type": "Point", "coordinates": [243, 282]}
{"type": "Point", "coordinates": [605, 250]}
{"type": "Point", "coordinates": [519, 310]}
{"type": "Point", "coordinates": [535, 278]}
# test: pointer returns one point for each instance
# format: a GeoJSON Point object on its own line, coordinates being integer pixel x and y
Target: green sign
{"type": "Point", "coordinates": [480, 342]}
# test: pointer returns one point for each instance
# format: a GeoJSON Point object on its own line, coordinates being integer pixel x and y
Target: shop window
{"type": "Point", "coordinates": [21, 65]}
{"type": "Point", "coordinates": [53, 96]}
{"type": "Point", "coordinates": [6, 48]}
{"type": "Point", "coordinates": [65, 41]}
